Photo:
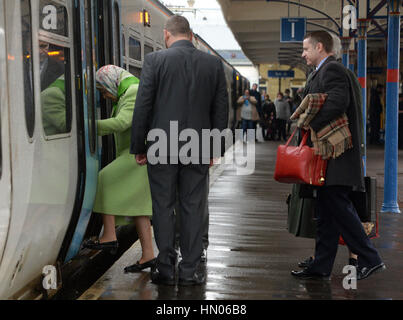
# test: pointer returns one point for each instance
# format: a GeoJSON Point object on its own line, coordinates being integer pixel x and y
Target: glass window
{"type": "Point", "coordinates": [124, 45]}
{"type": "Point", "coordinates": [135, 71]}
{"type": "Point", "coordinates": [134, 49]}
{"type": "Point", "coordinates": [53, 18]}
{"type": "Point", "coordinates": [55, 88]}
{"type": "Point", "coordinates": [90, 79]}
{"type": "Point", "coordinates": [26, 29]}
{"type": "Point", "coordinates": [147, 49]}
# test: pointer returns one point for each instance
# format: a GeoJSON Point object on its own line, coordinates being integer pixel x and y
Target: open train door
{"type": "Point", "coordinates": [108, 49]}
{"type": "Point", "coordinates": [5, 170]}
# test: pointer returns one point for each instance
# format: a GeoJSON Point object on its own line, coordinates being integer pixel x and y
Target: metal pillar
{"type": "Point", "coordinates": [345, 43]}
{"type": "Point", "coordinates": [392, 100]}
{"type": "Point", "coordinates": [352, 60]}
{"type": "Point", "coordinates": [362, 78]}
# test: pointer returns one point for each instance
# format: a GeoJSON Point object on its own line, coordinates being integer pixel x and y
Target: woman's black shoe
{"type": "Point", "coordinates": [137, 267]}
{"type": "Point", "coordinates": [111, 246]}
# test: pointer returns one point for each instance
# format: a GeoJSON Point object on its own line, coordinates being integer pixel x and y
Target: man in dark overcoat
{"type": "Point", "coordinates": [335, 212]}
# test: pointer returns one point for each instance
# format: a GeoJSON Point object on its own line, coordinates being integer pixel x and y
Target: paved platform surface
{"type": "Point", "coordinates": [251, 252]}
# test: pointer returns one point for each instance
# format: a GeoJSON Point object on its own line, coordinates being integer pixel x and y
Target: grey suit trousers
{"type": "Point", "coordinates": [191, 183]}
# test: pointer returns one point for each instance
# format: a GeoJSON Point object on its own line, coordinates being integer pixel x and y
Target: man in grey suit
{"type": "Point", "coordinates": [184, 87]}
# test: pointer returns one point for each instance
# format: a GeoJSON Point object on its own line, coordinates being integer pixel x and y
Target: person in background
{"type": "Point", "coordinates": [269, 118]}
{"type": "Point", "coordinates": [249, 113]}
{"type": "Point", "coordinates": [375, 110]}
{"type": "Point", "coordinates": [287, 97]}
{"type": "Point", "coordinates": [282, 115]}
{"type": "Point", "coordinates": [255, 93]}
{"type": "Point", "coordinates": [123, 189]}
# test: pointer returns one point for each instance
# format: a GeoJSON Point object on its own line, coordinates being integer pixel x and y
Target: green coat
{"type": "Point", "coordinates": [123, 188]}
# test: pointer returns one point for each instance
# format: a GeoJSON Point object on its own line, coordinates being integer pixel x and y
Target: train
{"type": "Point", "coordinates": [50, 154]}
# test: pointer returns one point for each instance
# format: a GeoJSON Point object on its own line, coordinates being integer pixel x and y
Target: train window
{"type": "Point", "coordinates": [148, 49]}
{"type": "Point", "coordinates": [123, 45]}
{"type": "Point", "coordinates": [53, 18]}
{"type": "Point", "coordinates": [135, 71]}
{"type": "Point", "coordinates": [29, 98]}
{"type": "Point", "coordinates": [90, 88]}
{"type": "Point", "coordinates": [134, 49]}
{"type": "Point", "coordinates": [55, 88]}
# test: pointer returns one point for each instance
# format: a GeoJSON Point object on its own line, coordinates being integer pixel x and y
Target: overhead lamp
{"type": "Point", "coordinates": [146, 18]}
{"type": "Point", "coordinates": [191, 3]}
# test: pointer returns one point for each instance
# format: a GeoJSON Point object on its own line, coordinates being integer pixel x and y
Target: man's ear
{"type": "Point", "coordinates": [320, 47]}
{"type": "Point", "coordinates": [191, 36]}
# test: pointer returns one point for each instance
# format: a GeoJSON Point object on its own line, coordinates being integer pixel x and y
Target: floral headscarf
{"type": "Point", "coordinates": [109, 77]}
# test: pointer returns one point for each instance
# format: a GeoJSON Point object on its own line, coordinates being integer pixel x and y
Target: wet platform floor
{"type": "Point", "coordinates": [251, 252]}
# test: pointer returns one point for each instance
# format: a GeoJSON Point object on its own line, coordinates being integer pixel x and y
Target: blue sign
{"type": "Point", "coordinates": [292, 29]}
{"type": "Point", "coordinates": [281, 74]}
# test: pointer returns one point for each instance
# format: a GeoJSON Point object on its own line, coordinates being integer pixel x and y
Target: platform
{"type": "Point", "coordinates": [251, 252]}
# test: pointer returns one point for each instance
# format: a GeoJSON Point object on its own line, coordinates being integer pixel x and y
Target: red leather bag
{"type": "Point", "coordinates": [299, 164]}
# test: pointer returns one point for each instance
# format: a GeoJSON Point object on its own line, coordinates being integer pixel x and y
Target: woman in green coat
{"type": "Point", "coordinates": [123, 189]}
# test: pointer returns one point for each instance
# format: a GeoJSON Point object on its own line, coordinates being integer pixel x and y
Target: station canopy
{"type": "Point", "coordinates": [256, 26]}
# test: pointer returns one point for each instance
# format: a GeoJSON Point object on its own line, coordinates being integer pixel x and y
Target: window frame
{"type": "Point", "coordinates": [32, 120]}
{"type": "Point", "coordinates": [67, 44]}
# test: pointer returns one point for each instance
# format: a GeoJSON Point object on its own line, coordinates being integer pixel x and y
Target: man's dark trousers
{"type": "Point", "coordinates": [191, 183]}
{"type": "Point", "coordinates": [206, 221]}
{"type": "Point", "coordinates": [337, 216]}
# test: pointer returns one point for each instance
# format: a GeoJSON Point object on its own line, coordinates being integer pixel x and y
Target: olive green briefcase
{"type": "Point", "coordinates": [301, 221]}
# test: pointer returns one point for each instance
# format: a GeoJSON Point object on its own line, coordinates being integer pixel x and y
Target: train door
{"type": "Point", "coordinates": [5, 176]}
{"type": "Point", "coordinates": [85, 32]}
{"type": "Point", "coordinates": [109, 51]}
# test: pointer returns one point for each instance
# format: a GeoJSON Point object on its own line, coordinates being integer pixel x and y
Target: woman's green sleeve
{"type": "Point", "coordinates": [123, 120]}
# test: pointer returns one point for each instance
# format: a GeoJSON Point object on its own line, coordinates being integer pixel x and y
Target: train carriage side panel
{"type": "Point", "coordinates": [5, 175]}
{"type": "Point", "coordinates": [44, 164]}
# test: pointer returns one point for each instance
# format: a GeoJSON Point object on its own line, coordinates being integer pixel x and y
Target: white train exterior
{"type": "Point", "coordinates": [49, 159]}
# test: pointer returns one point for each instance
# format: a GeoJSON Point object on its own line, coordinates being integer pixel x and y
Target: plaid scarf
{"type": "Point", "coordinates": [332, 140]}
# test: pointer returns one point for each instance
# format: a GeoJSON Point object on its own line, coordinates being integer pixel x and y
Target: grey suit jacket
{"type": "Point", "coordinates": [184, 85]}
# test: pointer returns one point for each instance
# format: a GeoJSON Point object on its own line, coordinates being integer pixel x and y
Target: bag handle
{"type": "Point", "coordinates": [303, 141]}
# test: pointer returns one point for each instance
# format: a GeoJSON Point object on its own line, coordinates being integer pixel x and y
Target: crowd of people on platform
{"type": "Point", "coordinates": [256, 109]}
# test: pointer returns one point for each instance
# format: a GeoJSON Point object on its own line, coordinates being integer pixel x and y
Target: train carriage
{"type": "Point", "coordinates": [50, 154]}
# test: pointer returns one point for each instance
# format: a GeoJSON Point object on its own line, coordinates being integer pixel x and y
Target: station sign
{"type": "Point", "coordinates": [281, 74]}
{"type": "Point", "coordinates": [292, 29]}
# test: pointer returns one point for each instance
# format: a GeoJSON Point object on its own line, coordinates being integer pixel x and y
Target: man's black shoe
{"type": "Point", "coordinates": [365, 272]}
{"type": "Point", "coordinates": [197, 279]}
{"type": "Point", "coordinates": [305, 263]}
{"type": "Point", "coordinates": [306, 275]}
{"type": "Point", "coordinates": [158, 278]}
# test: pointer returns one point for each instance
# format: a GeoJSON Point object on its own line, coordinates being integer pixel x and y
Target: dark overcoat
{"type": "Point", "coordinates": [332, 79]}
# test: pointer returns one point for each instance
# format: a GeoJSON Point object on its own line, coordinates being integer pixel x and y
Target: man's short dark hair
{"type": "Point", "coordinates": [178, 25]}
{"type": "Point", "coordinates": [323, 37]}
